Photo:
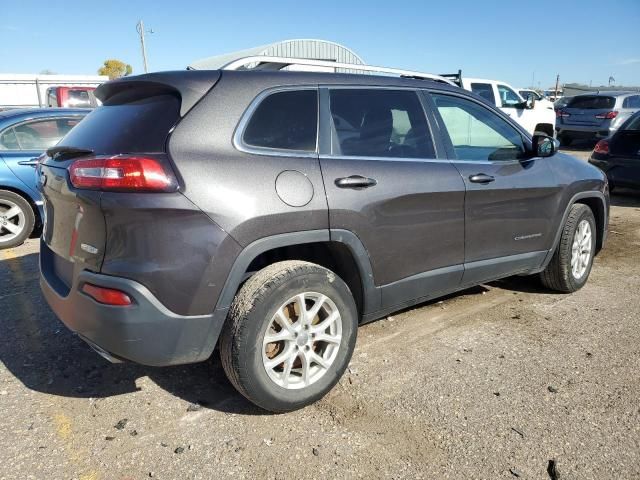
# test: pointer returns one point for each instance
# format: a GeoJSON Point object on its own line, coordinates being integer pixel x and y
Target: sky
{"type": "Point", "coordinates": [522, 43]}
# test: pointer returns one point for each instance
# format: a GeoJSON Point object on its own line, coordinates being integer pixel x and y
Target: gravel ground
{"type": "Point", "coordinates": [506, 380]}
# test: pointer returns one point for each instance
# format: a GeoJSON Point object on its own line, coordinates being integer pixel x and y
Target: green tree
{"type": "Point", "coordinates": [115, 68]}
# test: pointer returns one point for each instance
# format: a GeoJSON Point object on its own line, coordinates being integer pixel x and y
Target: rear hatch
{"type": "Point", "coordinates": [108, 152]}
{"type": "Point", "coordinates": [587, 110]}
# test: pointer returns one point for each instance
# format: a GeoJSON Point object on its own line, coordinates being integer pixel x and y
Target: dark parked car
{"type": "Point", "coordinates": [595, 115]}
{"type": "Point", "coordinates": [270, 213]}
{"type": "Point", "coordinates": [25, 134]}
{"type": "Point", "coordinates": [619, 155]}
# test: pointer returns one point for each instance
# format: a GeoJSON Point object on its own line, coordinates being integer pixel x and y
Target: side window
{"type": "Point", "coordinates": [631, 102]}
{"type": "Point", "coordinates": [42, 134]}
{"type": "Point", "coordinates": [8, 140]}
{"type": "Point", "coordinates": [508, 97]}
{"type": "Point", "coordinates": [485, 90]}
{"type": "Point", "coordinates": [477, 133]}
{"type": "Point", "coordinates": [379, 123]}
{"type": "Point", "coordinates": [285, 120]}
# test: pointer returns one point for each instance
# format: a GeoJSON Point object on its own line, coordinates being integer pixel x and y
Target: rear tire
{"type": "Point", "coordinates": [312, 358]}
{"type": "Point", "coordinates": [17, 219]}
{"type": "Point", "coordinates": [571, 263]}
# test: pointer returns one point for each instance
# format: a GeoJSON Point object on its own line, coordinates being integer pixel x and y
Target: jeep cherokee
{"type": "Point", "coordinates": [271, 213]}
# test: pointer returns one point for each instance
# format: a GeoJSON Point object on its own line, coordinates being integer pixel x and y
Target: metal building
{"type": "Point", "coordinates": [306, 48]}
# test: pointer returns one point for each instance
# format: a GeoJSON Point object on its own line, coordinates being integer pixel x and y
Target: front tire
{"type": "Point", "coordinates": [17, 219]}
{"type": "Point", "coordinates": [571, 264]}
{"type": "Point", "coordinates": [289, 335]}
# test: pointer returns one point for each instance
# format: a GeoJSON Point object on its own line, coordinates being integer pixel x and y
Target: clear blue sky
{"type": "Point", "coordinates": [583, 41]}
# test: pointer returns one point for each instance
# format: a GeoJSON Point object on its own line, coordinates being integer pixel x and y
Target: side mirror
{"type": "Point", "coordinates": [545, 146]}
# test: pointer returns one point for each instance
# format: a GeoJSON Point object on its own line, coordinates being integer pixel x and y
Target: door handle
{"type": "Point", "coordinates": [482, 178]}
{"type": "Point", "coordinates": [32, 163]}
{"type": "Point", "coordinates": [355, 181]}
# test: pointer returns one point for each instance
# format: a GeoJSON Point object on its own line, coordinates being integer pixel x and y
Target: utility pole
{"type": "Point", "coordinates": [557, 83]}
{"type": "Point", "coordinates": [141, 32]}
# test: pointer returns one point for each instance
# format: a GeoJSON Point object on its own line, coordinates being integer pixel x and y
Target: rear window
{"type": "Point", "coordinates": [285, 121]}
{"type": "Point", "coordinates": [79, 98]}
{"type": "Point", "coordinates": [485, 90]}
{"type": "Point", "coordinates": [592, 102]}
{"type": "Point", "coordinates": [128, 125]}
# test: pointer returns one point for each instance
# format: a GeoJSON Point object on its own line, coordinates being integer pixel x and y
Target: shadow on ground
{"type": "Point", "coordinates": [625, 197]}
{"type": "Point", "coordinates": [46, 357]}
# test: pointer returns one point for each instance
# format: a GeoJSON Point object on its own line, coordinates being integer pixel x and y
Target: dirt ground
{"type": "Point", "coordinates": [506, 380]}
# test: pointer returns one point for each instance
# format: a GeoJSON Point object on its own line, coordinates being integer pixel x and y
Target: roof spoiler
{"type": "Point", "coordinates": [191, 87]}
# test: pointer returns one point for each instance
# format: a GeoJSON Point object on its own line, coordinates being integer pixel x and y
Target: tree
{"type": "Point", "coordinates": [115, 68]}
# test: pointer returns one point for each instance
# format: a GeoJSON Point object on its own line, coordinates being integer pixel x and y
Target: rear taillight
{"type": "Point", "coordinates": [602, 147]}
{"type": "Point", "coordinates": [122, 173]}
{"type": "Point", "coordinates": [562, 114]}
{"type": "Point", "coordinates": [108, 296]}
{"type": "Point", "coordinates": [607, 116]}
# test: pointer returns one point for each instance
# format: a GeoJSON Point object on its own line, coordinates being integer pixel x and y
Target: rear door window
{"type": "Point", "coordinates": [37, 135]}
{"type": "Point", "coordinates": [485, 90]}
{"type": "Point", "coordinates": [379, 123]}
{"type": "Point", "coordinates": [591, 102]}
{"type": "Point", "coordinates": [286, 120]}
{"type": "Point", "coordinates": [477, 133]}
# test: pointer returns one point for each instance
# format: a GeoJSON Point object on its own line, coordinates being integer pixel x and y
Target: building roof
{"type": "Point", "coordinates": [302, 48]}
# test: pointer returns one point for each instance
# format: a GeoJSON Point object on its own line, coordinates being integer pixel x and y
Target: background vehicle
{"type": "Point", "coordinates": [540, 99]}
{"type": "Point", "coordinates": [595, 115]}
{"type": "Point", "coordinates": [25, 134]}
{"type": "Point", "coordinates": [28, 90]}
{"type": "Point", "coordinates": [534, 117]}
{"type": "Point", "coordinates": [619, 155]}
{"type": "Point", "coordinates": [561, 103]}
{"type": "Point", "coordinates": [75, 97]}
{"type": "Point", "coordinates": [317, 201]}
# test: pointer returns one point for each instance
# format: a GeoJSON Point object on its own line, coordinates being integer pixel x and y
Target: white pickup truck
{"type": "Point", "coordinates": [534, 116]}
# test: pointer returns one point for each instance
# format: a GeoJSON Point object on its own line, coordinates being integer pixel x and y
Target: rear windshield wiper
{"type": "Point", "coordinates": [60, 152]}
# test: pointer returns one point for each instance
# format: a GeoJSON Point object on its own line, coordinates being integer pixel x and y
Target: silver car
{"type": "Point", "coordinates": [595, 115]}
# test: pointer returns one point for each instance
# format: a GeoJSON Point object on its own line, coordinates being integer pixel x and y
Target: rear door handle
{"type": "Point", "coordinates": [482, 178]}
{"type": "Point", "coordinates": [355, 181]}
{"type": "Point", "coordinates": [32, 163]}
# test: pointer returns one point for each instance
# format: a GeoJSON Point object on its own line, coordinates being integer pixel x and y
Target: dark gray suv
{"type": "Point", "coordinates": [270, 213]}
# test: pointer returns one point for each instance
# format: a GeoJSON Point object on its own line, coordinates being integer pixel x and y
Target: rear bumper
{"type": "Point", "coordinates": [145, 332]}
{"type": "Point", "coordinates": [584, 131]}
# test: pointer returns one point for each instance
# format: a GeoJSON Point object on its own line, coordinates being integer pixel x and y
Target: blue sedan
{"type": "Point", "coordinates": [24, 135]}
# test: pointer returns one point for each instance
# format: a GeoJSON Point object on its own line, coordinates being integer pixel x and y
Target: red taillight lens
{"type": "Point", "coordinates": [607, 116]}
{"type": "Point", "coordinates": [108, 296]}
{"type": "Point", "coordinates": [121, 173]}
{"type": "Point", "coordinates": [562, 114]}
{"type": "Point", "coordinates": [602, 147]}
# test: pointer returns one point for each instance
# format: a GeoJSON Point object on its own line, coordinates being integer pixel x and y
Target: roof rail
{"type": "Point", "coordinates": [264, 62]}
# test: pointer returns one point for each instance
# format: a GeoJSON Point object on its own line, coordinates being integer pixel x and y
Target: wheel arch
{"type": "Point", "coordinates": [597, 202]}
{"type": "Point", "coordinates": [338, 250]}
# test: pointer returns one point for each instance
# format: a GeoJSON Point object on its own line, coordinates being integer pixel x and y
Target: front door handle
{"type": "Point", "coordinates": [482, 178]}
{"type": "Point", "coordinates": [355, 181]}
